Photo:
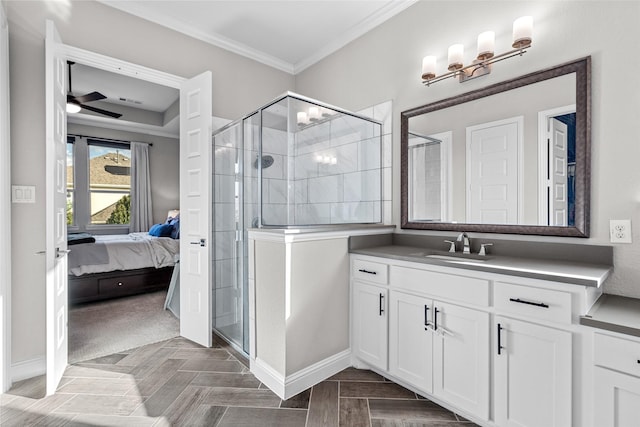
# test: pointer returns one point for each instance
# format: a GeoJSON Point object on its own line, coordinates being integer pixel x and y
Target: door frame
{"type": "Point", "coordinates": [5, 208]}
{"type": "Point", "coordinates": [543, 155]}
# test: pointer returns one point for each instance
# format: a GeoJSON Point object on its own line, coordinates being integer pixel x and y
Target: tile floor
{"type": "Point", "coordinates": [179, 383]}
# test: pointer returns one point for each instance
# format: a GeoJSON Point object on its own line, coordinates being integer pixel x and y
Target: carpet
{"type": "Point", "coordinates": [108, 327]}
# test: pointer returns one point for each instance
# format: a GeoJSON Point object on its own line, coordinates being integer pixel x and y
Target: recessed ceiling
{"type": "Point", "coordinates": [287, 35]}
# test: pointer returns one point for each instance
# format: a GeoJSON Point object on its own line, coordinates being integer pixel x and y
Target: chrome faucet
{"type": "Point", "coordinates": [466, 243]}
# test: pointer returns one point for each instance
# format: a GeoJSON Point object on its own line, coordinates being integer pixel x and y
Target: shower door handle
{"type": "Point", "coordinates": [201, 242]}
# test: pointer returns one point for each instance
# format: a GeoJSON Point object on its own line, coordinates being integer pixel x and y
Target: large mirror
{"type": "Point", "coordinates": [513, 157]}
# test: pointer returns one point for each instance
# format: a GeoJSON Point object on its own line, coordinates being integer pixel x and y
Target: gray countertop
{"type": "Point", "coordinates": [572, 272]}
{"type": "Point", "coordinates": [615, 313]}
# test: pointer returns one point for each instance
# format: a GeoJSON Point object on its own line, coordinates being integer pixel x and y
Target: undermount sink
{"type": "Point", "coordinates": [454, 258]}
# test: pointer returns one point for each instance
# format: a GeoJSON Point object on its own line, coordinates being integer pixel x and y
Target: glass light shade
{"type": "Point", "coordinates": [428, 67]}
{"type": "Point", "coordinates": [455, 54]}
{"type": "Point", "coordinates": [72, 108]}
{"type": "Point", "coordinates": [522, 32]}
{"type": "Point", "coordinates": [314, 113]}
{"type": "Point", "coordinates": [302, 118]}
{"type": "Point", "coordinates": [486, 45]}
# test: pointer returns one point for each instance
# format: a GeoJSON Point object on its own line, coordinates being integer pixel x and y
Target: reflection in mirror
{"type": "Point", "coordinates": [510, 158]}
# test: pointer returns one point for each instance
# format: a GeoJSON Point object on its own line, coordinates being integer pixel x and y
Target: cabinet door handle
{"type": "Point", "coordinates": [362, 270]}
{"type": "Point", "coordinates": [521, 301]}
{"type": "Point", "coordinates": [499, 338]}
{"type": "Point", "coordinates": [435, 318]}
{"type": "Point", "coordinates": [426, 317]}
{"type": "Point", "coordinates": [380, 302]}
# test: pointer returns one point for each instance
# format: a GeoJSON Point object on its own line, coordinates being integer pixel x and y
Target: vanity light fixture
{"type": "Point", "coordinates": [522, 36]}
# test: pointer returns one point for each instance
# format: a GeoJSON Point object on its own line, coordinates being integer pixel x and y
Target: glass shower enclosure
{"type": "Point", "coordinates": [293, 163]}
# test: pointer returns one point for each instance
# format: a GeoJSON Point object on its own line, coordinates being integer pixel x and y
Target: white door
{"type": "Point", "coordinates": [617, 399]}
{"type": "Point", "coordinates": [411, 339]}
{"type": "Point", "coordinates": [55, 211]}
{"type": "Point", "coordinates": [493, 169]}
{"type": "Point", "coordinates": [195, 209]}
{"type": "Point", "coordinates": [532, 375]}
{"type": "Point", "coordinates": [558, 200]}
{"type": "Point", "coordinates": [370, 324]}
{"type": "Point", "coordinates": [461, 358]}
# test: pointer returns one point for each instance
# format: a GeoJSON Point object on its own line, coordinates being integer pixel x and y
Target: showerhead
{"type": "Point", "coordinates": [266, 162]}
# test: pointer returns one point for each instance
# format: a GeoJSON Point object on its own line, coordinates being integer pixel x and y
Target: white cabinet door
{"type": "Point", "coordinates": [461, 357]}
{"type": "Point", "coordinates": [617, 399]}
{"type": "Point", "coordinates": [411, 339]}
{"type": "Point", "coordinates": [532, 375]}
{"type": "Point", "coordinates": [370, 324]}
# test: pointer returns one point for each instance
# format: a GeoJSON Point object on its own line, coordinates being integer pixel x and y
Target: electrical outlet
{"type": "Point", "coordinates": [620, 230]}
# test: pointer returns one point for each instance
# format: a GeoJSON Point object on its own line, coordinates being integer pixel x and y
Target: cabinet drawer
{"type": "Point", "coordinates": [370, 271]}
{"type": "Point", "coordinates": [122, 285]}
{"type": "Point", "coordinates": [553, 306]}
{"type": "Point", "coordinates": [442, 285]}
{"type": "Point", "coordinates": [617, 353]}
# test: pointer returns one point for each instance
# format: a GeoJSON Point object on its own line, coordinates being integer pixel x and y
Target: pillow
{"type": "Point", "coordinates": [161, 230]}
{"type": "Point", "coordinates": [175, 233]}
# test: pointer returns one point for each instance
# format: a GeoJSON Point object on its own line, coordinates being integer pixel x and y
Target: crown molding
{"type": "Point", "coordinates": [115, 124]}
{"type": "Point", "coordinates": [372, 21]}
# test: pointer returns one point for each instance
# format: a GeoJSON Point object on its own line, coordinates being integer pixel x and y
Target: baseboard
{"type": "Point", "coordinates": [289, 386]}
{"type": "Point", "coordinates": [28, 369]}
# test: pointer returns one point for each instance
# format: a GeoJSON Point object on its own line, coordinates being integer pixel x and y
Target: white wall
{"type": "Point", "coordinates": [385, 64]}
{"type": "Point", "coordinates": [93, 26]}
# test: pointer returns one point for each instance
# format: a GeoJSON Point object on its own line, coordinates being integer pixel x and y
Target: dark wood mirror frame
{"type": "Point", "coordinates": [582, 69]}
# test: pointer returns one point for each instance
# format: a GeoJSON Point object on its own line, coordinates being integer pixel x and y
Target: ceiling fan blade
{"type": "Point", "coordinates": [101, 111]}
{"type": "Point", "coordinates": [93, 96]}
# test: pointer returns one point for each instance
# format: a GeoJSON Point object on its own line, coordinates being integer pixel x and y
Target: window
{"type": "Point", "coordinates": [98, 184]}
{"type": "Point", "coordinates": [70, 182]}
{"type": "Point", "coordinates": [109, 182]}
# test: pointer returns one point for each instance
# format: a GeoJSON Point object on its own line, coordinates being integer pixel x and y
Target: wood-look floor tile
{"type": "Point", "coordinates": [206, 365]}
{"type": "Point", "coordinates": [99, 405]}
{"type": "Point", "coordinates": [354, 412]}
{"type": "Point", "coordinates": [353, 374]}
{"type": "Point", "coordinates": [417, 410]}
{"type": "Point", "coordinates": [181, 342]}
{"type": "Point", "coordinates": [225, 396]}
{"type": "Point", "coordinates": [33, 388]}
{"type": "Point", "coordinates": [388, 423]}
{"type": "Point", "coordinates": [85, 420]}
{"type": "Point", "coordinates": [141, 354]}
{"type": "Point", "coordinates": [299, 401]}
{"type": "Point", "coordinates": [102, 386]}
{"type": "Point", "coordinates": [385, 390]}
{"type": "Point", "coordinates": [156, 378]}
{"type": "Point", "coordinates": [226, 379]}
{"type": "Point", "coordinates": [78, 371]}
{"type": "Point", "coordinates": [179, 412]}
{"type": "Point", "coordinates": [205, 416]}
{"type": "Point", "coordinates": [35, 413]}
{"type": "Point", "coordinates": [111, 359]}
{"type": "Point", "coordinates": [263, 417]}
{"type": "Point", "coordinates": [201, 353]}
{"type": "Point", "coordinates": [117, 369]}
{"type": "Point", "coordinates": [412, 423]}
{"type": "Point", "coordinates": [143, 369]}
{"type": "Point", "coordinates": [155, 405]}
{"type": "Point", "coordinates": [324, 405]}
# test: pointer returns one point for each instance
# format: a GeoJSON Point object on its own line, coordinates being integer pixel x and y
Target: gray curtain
{"type": "Point", "coordinates": [141, 209]}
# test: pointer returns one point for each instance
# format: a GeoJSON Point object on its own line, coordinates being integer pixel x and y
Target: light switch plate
{"type": "Point", "coordinates": [23, 193]}
{"type": "Point", "coordinates": [620, 230]}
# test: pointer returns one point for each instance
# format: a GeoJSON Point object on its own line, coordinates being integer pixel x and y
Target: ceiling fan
{"type": "Point", "coordinates": [75, 103]}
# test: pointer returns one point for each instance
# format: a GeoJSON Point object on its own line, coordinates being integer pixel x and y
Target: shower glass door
{"type": "Point", "coordinates": [228, 286]}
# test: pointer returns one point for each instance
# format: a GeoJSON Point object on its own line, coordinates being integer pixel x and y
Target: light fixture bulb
{"type": "Point", "coordinates": [455, 54]}
{"type": "Point", "coordinates": [522, 32]}
{"type": "Point", "coordinates": [73, 108]}
{"type": "Point", "coordinates": [428, 67]}
{"type": "Point", "coordinates": [314, 113]}
{"type": "Point", "coordinates": [486, 45]}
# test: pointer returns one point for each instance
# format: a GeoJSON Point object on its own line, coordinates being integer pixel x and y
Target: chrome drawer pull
{"type": "Point", "coordinates": [521, 301]}
{"type": "Point", "coordinates": [362, 270]}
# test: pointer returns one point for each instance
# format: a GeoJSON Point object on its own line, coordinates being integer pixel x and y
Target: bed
{"type": "Point", "coordinates": [110, 266]}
